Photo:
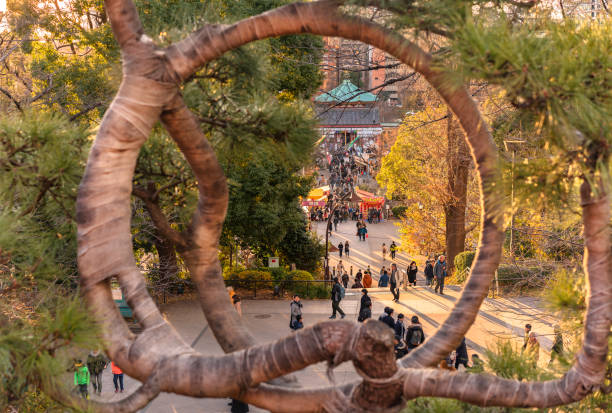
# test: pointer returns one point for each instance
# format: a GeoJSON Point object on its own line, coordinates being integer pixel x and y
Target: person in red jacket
{"type": "Point", "coordinates": [117, 377]}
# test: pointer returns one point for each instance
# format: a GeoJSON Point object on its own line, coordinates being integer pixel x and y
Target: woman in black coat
{"type": "Point", "coordinates": [412, 273]}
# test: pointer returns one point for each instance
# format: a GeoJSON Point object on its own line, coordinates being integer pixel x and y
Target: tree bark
{"type": "Point", "coordinates": [149, 92]}
{"type": "Point", "coordinates": [458, 161]}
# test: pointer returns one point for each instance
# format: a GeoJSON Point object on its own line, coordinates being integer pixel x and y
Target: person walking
{"type": "Point", "coordinates": [393, 279]}
{"type": "Point", "coordinates": [117, 377]}
{"type": "Point", "coordinates": [340, 268]}
{"type": "Point", "coordinates": [526, 335]}
{"type": "Point", "coordinates": [96, 363]}
{"type": "Point", "coordinates": [296, 310]}
{"type": "Point", "coordinates": [340, 248]}
{"type": "Point", "coordinates": [384, 251]}
{"type": "Point", "coordinates": [345, 279]}
{"type": "Point", "coordinates": [429, 273]}
{"type": "Point", "coordinates": [400, 337]}
{"type": "Point", "coordinates": [440, 274]}
{"type": "Point", "coordinates": [387, 318]}
{"type": "Point", "coordinates": [81, 378]}
{"type": "Point", "coordinates": [533, 348]}
{"type": "Point", "coordinates": [337, 294]}
{"type": "Point", "coordinates": [336, 222]}
{"type": "Point", "coordinates": [365, 306]}
{"type": "Point", "coordinates": [462, 355]}
{"type": "Point", "coordinates": [383, 281]}
{"type": "Point", "coordinates": [393, 249]}
{"type": "Point", "coordinates": [414, 334]}
{"type": "Point", "coordinates": [557, 348]}
{"type": "Point", "coordinates": [346, 248]}
{"type": "Point", "coordinates": [412, 273]}
{"type": "Point", "coordinates": [367, 279]}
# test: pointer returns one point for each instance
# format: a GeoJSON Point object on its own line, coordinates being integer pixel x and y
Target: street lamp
{"type": "Point", "coordinates": [511, 145]}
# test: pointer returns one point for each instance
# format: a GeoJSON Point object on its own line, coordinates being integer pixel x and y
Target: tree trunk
{"type": "Point", "coordinates": [458, 160]}
{"type": "Point", "coordinates": [168, 265]}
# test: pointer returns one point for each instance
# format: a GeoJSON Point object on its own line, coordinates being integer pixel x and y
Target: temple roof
{"type": "Point", "coordinates": [350, 116]}
{"type": "Point", "coordinates": [346, 92]}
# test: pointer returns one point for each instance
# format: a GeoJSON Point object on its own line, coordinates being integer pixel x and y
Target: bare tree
{"type": "Point", "coordinates": [150, 92]}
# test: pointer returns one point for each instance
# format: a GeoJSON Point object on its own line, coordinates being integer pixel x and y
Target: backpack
{"type": "Point", "coordinates": [416, 337]}
{"type": "Point", "coordinates": [342, 291]}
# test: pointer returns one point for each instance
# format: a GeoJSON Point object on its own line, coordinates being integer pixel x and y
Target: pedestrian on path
{"type": "Point", "coordinates": [392, 249]}
{"type": "Point", "coordinates": [533, 348]}
{"type": "Point", "coordinates": [393, 279]}
{"type": "Point", "coordinates": [336, 223]}
{"type": "Point", "coordinates": [96, 363]}
{"type": "Point", "coordinates": [345, 279]}
{"type": "Point", "coordinates": [387, 318]}
{"type": "Point", "coordinates": [340, 268]}
{"type": "Point", "coordinates": [340, 248]}
{"type": "Point", "coordinates": [429, 274]}
{"type": "Point", "coordinates": [365, 306]}
{"type": "Point", "coordinates": [412, 273]}
{"type": "Point", "coordinates": [81, 378]}
{"type": "Point", "coordinates": [526, 335]}
{"type": "Point", "coordinates": [367, 279]}
{"type": "Point", "coordinates": [557, 348]}
{"type": "Point", "coordinates": [117, 377]}
{"type": "Point", "coordinates": [337, 294]}
{"type": "Point", "coordinates": [384, 251]}
{"type": "Point", "coordinates": [440, 274]}
{"type": "Point", "coordinates": [462, 355]}
{"type": "Point", "coordinates": [414, 334]}
{"type": "Point", "coordinates": [346, 248]}
{"type": "Point", "coordinates": [383, 281]}
{"type": "Point", "coordinates": [296, 310]}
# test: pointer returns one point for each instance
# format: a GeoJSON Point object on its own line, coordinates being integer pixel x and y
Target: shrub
{"type": "Point", "coordinates": [463, 263]}
{"type": "Point", "coordinates": [306, 290]}
{"type": "Point", "coordinates": [244, 279]}
{"type": "Point", "coordinates": [399, 211]}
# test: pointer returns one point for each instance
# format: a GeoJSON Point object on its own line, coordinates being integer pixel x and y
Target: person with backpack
{"type": "Point", "coordinates": [393, 249]}
{"type": "Point", "coordinates": [96, 363]}
{"type": "Point", "coordinates": [81, 378]}
{"type": "Point", "coordinates": [414, 334]}
{"type": "Point", "coordinates": [340, 248]}
{"type": "Point", "coordinates": [296, 311]}
{"type": "Point", "coordinates": [346, 248]}
{"type": "Point", "coordinates": [429, 273]}
{"type": "Point", "coordinates": [387, 318]}
{"type": "Point", "coordinates": [365, 306]}
{"type": "Point", "coordinates": [337, 294]}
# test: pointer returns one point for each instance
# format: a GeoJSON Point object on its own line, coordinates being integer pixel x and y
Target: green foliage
{"type": "Point", "coordinates": [464, 260]}
{"type": "Point", "coordinates": [41, 156]}
{"type": "Point", "coordinates": [246, 279]}
{"type": "Point", "coordinates": [301, 247]}
{"type": "Point", "coordinates": [506, 360]}
{"type": "Point", "coordinates": [565, 293]}
{"type": "Point", "coordinates": [304, 289]}
{"type": "Point", "coordinates": [399, 211]}
{"type": "Point", "coordinates": [34, 354]}
{"type": "Point", "coordinates": [463, 264]}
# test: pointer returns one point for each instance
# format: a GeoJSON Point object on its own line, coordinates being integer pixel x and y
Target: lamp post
{"type": "Point", "coordinates": [511, 145]}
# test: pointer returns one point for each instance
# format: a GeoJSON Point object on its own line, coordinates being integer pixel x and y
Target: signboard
{"type": "Point", "coordinates": [273, 262]}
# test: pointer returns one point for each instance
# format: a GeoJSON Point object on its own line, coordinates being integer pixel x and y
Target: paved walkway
{"type": "Point", "coordinates": [268, 320]}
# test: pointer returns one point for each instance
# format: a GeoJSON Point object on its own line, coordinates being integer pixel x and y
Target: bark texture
{"type": "Point", "coordinates": [150, 92]}
{"type": "Point", "coordinates": [458, 161]}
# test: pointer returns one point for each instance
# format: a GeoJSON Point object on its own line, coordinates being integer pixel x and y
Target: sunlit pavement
{"type": "Point", "coordinates": [268, 320]}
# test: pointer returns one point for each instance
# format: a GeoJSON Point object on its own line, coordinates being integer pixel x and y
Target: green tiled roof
{"type": "Point", "coordinates": [346, 92]}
